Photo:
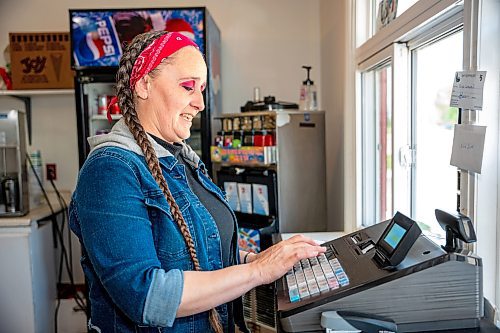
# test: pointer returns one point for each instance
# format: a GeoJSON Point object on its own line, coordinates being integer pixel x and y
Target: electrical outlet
{"type": "Point", "coordinates": [51, 171]}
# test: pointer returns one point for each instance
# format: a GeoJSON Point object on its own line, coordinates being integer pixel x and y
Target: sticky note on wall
{"type": "Point", "coordinates": [468, 147]}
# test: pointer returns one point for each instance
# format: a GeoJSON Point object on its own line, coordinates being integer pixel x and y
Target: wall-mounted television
{"type": "Point", "coordinates": [99, 36]}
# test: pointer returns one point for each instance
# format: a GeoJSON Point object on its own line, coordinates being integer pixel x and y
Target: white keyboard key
{"type": "Point", "coordinates": [313, 261]}
{"type": "Point", "coordinates": [318, 273]}
{"type": "Point", "coordinates": [332, 283]}
{"type": "Point", "coordinates": [329, 274]}
{"type": "Point", "coordinates": [322, 258]}
{"type": "Point", "coordinates": [309, 274]}
{"type": "Point", "coordinates": [313, 287]}
{"type": "Point", "coordinates": [293, 290]}
{"type": "Point", "coordinates": [323, 285]}
{"type": "Point", "coordinates": [303, 291]}
{"type": "Point", "coordinates": [290, 281]}
{"type": "Point", "coordinates": [301, 284]}
{"type": "Point", "coordinates": [327, 269]}
{"type": "Point", "coordinates": [300, 277]}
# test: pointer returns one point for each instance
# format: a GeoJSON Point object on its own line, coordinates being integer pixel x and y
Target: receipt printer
{"type": "Point", "coordinates": [348, 321]}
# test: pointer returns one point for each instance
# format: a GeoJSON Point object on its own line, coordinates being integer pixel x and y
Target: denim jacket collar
{"type": "Point", "coordinates": [120, 136]}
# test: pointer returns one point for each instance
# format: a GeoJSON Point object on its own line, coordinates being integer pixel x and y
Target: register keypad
{"type": "Point", "coordinates": [313, 276]}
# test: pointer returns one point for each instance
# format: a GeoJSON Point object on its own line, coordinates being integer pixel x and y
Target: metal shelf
{"type": "Point", "coordinates": [245, 114]}
{"type": "Point", "coordinates": [246, 165]}
{"type": "Point", "coordinates": [34, 92]}
{"type": "Point", "coordinates": [9, 146]}
{"type": "Point", "coordinates": [264, 113]}
{"type": "Point", "coordinates": [105, 117]}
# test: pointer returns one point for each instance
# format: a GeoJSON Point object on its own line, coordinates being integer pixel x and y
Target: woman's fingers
{"type": "Point", "coordinates": [314, 251]}
{"type": "Point", "coordinates": [308, 251]}
{"type": "Point", "coordinates": [301, 238]}
{"type": "Point", "coordinates": [280, 258]}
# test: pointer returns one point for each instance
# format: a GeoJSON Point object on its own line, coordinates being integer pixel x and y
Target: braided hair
{"type": "Point", "coordinates": [126, 103]}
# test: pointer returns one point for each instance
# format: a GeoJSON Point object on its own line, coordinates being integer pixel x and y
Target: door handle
{"type": "Point", "coordinates": [406, 156]}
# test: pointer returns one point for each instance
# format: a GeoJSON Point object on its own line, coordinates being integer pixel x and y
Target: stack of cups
{"type": "Point", "coordinates": [35, 191]}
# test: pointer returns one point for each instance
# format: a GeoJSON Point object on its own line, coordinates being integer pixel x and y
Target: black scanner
{"type": "Point", "coordinates": [457, 227]}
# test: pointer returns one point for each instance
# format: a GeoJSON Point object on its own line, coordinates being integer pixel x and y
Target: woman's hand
{"type": "Point", "coordinates": [274, 262]}
{"type": "Point", "coordinates": [226, 284]}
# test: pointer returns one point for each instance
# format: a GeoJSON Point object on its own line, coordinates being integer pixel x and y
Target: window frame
{"type": "Point", "coordinates": [405, 29]}
{"type": "Point", "coordinates": [391, 44]}
{"type": "Point", "coordinates": [383, 58]}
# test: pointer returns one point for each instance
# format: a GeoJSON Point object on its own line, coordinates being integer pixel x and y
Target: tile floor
{"type": "Point", "coordinates": [70, 321]}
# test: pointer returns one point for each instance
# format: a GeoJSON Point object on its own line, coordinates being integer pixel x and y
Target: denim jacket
{"type": "Point", "coordinates": [133, 253]}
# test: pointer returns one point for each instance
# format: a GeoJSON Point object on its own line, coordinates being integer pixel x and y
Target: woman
{"type": "Point", "coordinates": [159, 239]}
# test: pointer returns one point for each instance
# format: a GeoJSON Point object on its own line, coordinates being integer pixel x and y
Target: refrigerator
{"type": "Point", "coordinates": [97, 40]}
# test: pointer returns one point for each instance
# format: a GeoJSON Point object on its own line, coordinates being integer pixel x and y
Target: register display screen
{"type": "Point", "coordinates": [396, 240]}
{"type": "Point", "coordinates": [395, 235]}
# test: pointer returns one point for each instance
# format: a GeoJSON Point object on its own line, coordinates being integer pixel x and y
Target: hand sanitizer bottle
{"type": "Point", "coordinates": [308, 97]}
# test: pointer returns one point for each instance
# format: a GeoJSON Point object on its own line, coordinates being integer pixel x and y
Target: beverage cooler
{"type": "Point", "coordinates": [97, 40]}
{"type": "Point", "coordinates": [271, 164]}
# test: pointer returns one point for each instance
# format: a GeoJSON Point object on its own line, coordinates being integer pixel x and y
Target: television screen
{"type": "Point", "coordinates": [99, 36]}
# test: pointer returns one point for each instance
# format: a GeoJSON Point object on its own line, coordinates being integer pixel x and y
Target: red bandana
{"type": "Point", "coordinates": [152, 56]}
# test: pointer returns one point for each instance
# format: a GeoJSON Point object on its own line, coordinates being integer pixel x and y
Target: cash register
{"type": "Point", "coordinates": [389, 277]}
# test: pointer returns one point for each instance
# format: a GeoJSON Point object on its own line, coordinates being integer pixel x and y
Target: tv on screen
{"type": "Point", "coordinates": [99, 36]}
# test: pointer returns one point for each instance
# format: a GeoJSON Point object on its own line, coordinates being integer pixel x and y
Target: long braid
{"type": "Point", "coordinates": [126, 103]}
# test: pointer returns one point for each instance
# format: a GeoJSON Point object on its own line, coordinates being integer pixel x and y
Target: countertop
{"type": "Point", "coordinates": [320, 236]}
{"type": "Point", "coordinates": [37, 213]}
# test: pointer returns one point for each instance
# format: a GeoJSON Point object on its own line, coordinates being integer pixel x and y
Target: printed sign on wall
{"type": "Point", "coordinates": [467, 90]}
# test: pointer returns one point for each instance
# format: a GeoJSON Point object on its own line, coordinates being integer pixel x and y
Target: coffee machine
{"type": "Point", "coordinates": [14, 196]}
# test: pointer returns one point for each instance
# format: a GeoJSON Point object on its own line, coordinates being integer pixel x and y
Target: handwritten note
{"type": "Point", "coordinates": [467, 90]}
{"type": "Point", "coordinates": [468, 147]}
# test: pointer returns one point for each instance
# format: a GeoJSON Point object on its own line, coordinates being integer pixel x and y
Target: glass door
{"type": "Point", "coordinates": [434, 180]}
{"type": "Point", "coordinates": [92, 95]}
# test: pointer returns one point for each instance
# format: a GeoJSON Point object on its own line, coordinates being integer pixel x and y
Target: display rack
{"type": "Point", "coordinates": [271, 165]}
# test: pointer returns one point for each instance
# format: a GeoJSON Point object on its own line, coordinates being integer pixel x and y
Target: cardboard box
{"type": "Point", "coordinates": [41, 60]}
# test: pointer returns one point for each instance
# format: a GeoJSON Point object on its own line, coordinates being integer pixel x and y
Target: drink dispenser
{"type": "Point", "coordinates": [14, 197]}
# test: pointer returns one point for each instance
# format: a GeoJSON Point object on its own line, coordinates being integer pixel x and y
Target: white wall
{"type": "Point", "coordinates": [264, 44]}
{"type": "Point", "coordinates": [334, 18]}
{"type": "Point", "coordinates": [488, 188]}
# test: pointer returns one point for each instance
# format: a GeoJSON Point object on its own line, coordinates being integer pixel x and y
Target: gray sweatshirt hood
{"type": "Point", "coordinates": [120, 136]}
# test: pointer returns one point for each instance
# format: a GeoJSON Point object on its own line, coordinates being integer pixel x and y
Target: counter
{"type": "Point", "coordinates": [28, 269]}
{"type": "Point", "coordinates": [36, 214]}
